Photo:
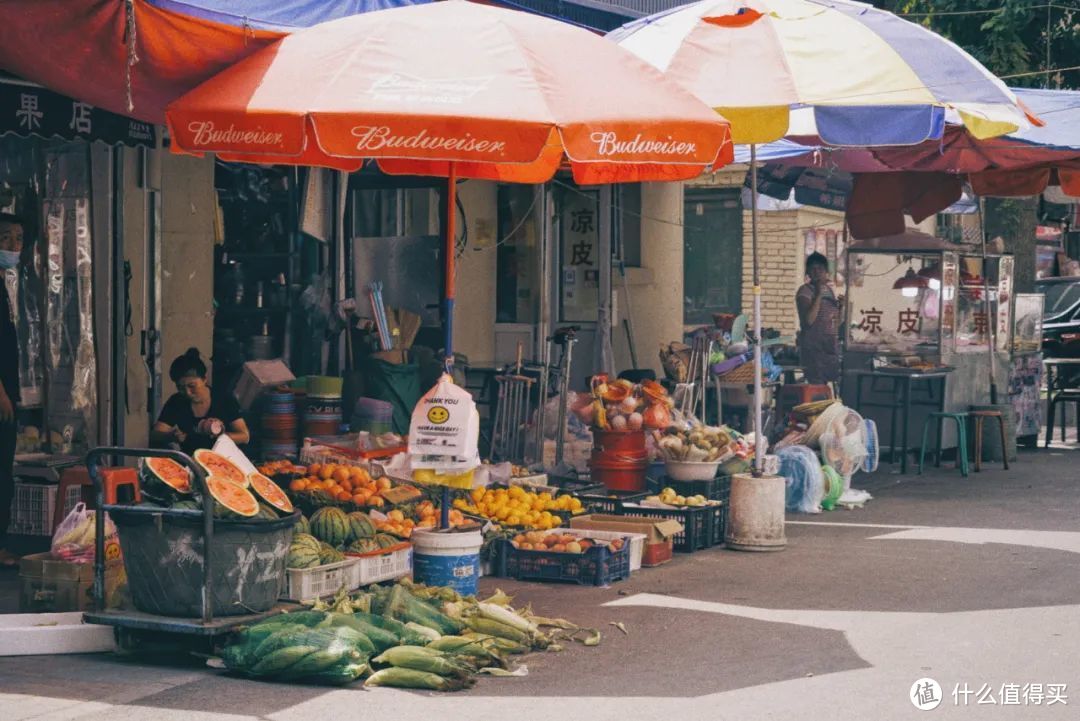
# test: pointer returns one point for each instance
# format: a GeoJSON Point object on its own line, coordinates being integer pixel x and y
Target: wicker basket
{"type": "Point", "coordinates": [742, 374]}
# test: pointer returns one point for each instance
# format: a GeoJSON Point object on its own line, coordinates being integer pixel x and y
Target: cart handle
{"type": "Point", "coordinates": [94, 463]}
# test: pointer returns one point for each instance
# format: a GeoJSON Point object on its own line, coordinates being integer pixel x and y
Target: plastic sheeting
{"type": "Point", "coordinates": [174, 45]}
{"type": "Point", "coordinates": [84, 381]}
{"type": "Point", "coordinates": [801, 469]}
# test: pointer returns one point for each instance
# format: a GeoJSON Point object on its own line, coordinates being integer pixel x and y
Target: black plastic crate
{"type": "Point", "coordinates": [717, 524]}
{"type": "Point", "coordinates": [610, 502]}
{"type": "Point", "coordinates": [575, 485]}
{"type": "Point", "coordinates": [700, 524]}
{"type": "Point", "coordinates": [714, 489]}
{"type": "Point", "coordinates": [599, 566]}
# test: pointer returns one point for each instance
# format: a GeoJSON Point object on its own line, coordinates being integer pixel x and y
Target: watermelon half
{"type": "Point", "coordinates": [232, 496]}
{"type": "Point", "coordinates": [164, 480]}
{"type": "Point", "coordinates": [269, 492]}
{"type": "Point", "coordinates": [218, 465]}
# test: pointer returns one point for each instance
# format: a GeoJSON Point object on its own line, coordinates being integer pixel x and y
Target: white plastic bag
{"type": "Point", "coordinates": [445, 429]}
{"type": "Point", "coordinates": [74, 539]}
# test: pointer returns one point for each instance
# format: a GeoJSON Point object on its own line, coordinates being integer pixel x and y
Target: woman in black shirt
{"type": "Point", "coordinates": [193, 417]}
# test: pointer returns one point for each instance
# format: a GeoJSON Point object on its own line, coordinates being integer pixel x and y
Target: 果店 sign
{"type": "Point", "coordinates": [26, 110]}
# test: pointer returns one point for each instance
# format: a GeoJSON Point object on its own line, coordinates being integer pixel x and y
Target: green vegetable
{"type": "Point", "coordinates": [411, 678]}
{"type": "Point", "coordinates": [421, 659]}
{"type": "Point", "coordinates": [494, 628]}
{"type": "Point", "coordinates": [281, 659]}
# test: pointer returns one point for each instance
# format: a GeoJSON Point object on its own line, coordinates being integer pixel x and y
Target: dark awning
{"type": "Point", "coordinates": [27, 110]}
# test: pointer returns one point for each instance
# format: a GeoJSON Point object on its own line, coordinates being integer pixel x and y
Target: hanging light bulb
{"type": "Point", "coordinates": [910, 285]}
{"type": "Point", "coordinates": [932, 274]}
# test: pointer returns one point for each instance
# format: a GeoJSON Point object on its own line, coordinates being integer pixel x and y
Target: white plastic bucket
{"type": "Point", "coordinates": [447, 558]}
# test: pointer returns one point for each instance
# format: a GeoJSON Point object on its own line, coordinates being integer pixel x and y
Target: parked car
{"type": "Point", "coordinates": [1061, 316]}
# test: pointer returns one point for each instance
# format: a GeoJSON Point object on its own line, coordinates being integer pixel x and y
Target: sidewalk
{"type": "Point", "coordinates": [930, 579]}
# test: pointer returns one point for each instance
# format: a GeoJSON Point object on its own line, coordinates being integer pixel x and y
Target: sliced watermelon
{"type": "Point", "coordinates": [218, 465]}
{"type": "Point", "coordinates": [232, 496]}
{"type": "Point", "coordinates": [270, 492]}
{"type": "Point", "coordinates": [167, 472]}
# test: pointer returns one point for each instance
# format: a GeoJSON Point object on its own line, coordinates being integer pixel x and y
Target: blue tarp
{"type": "Point", "coordinates": [279, 15]}
{"type": "Point", "coordinates": [827, 187]}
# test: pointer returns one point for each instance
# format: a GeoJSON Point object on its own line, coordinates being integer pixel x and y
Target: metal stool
{"type": "Point", "coordinates": [979, 417]}
{"type": "Point", "coordinates": [1068, 395]}
{"type": "Point", "coordinates": [961, 439]}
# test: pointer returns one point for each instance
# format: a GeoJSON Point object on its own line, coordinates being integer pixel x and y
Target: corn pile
{"type": "Point", "coordinates": [405, 636]}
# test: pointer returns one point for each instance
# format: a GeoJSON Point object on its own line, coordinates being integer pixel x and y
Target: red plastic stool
{"type": "Point", "coordinates": [111, 478]}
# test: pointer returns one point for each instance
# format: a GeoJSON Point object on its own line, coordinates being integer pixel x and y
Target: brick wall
{"type": "Point", "coordinates": [780, 252]}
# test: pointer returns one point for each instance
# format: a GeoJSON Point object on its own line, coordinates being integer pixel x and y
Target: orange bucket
{"type": "Point", "coordinates": [619, 460]}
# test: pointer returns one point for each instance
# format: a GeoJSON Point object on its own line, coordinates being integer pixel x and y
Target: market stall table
{"type": "Point", "coordinates": [901, 388]}
{"type": "Point", "coordinates": [1058, 390]}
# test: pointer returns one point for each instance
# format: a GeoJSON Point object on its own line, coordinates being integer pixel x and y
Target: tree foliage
{"type": "Point", "coordinates": [1007, 36]}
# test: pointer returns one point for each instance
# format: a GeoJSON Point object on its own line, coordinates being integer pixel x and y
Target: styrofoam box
{"type": "Point", "coordinates": [637, 541]}
{"type": "Point", "coordinates": [39, 634]}
{"type": "Point", "coordinates": [306, 584]}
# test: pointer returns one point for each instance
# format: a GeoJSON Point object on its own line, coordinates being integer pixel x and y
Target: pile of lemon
{"type": "Point", "coordinates": [515, 506]}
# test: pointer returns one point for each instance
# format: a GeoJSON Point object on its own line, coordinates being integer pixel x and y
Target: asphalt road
{"type": "Point", "coordinates": [971, 582]}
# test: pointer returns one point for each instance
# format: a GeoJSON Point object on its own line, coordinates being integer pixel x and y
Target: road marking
{"type": "Point", "coordinates": [853, 525]}
{"type": "Point", "coordinates": [1055, 540]}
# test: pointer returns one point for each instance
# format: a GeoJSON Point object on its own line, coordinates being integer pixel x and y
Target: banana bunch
{"type": "Point", "coordinates": [81, 535]}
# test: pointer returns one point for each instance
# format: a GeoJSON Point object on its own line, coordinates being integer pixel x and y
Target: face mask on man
{"type": "Point", "coordinates": [8, 259]}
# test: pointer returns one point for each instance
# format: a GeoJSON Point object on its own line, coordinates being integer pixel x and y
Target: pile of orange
{"type": "Point", "coordinates": [427, 516]}
{"type": "Point", "coordinates": [273, 468]}
{"type": "Point", "coordinates": [342, 483]}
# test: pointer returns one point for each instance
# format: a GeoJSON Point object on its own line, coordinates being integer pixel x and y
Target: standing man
{"type": "Point", "coordinates": [819, 316]}
{"type": "Point", "coordinates": [11, 238]}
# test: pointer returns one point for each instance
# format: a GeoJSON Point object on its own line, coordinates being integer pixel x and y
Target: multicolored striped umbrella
{"type": "Point", "coordinates": [845, 72]}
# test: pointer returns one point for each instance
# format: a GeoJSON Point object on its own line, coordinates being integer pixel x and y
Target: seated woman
{"type": "Point", "coordinates": [193, 418]}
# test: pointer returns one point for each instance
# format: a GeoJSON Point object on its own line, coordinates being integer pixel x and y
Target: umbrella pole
{"type": "Point", "coordinates": [991, 322]}
{"type": "Point", "coordinates": [448, 304]}
{"type": "Point", "coordinates": [759, 434]}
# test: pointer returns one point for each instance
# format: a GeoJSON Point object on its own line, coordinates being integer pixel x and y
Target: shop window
{"type": "Point", "coordinates": [385, 213]}
{"type": "Point", "coordinates": [712, 254]}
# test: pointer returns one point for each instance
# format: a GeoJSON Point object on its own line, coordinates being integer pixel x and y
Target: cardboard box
{"type": "Point", "coordinates": [259, 376]}
{"type": "Point", "coordinates": [658, 533]}
{"type": "Point", "coordinates": [53, 586]}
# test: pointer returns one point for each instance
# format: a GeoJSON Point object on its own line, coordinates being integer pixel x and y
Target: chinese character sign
{"type": "Point", "coordinates": [29, 111]}
{"type": "Point", "coordinates": [580, 260]}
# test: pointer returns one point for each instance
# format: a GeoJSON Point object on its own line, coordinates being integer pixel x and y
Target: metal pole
{"type": "Point", "coordinates": [451, 262]}
{"type": "Point", "coordinates": [448, 303]}
{"type": "Point", "coordinates": [991, 322]}
{"type": "Point", "coordinates": [759, 435]}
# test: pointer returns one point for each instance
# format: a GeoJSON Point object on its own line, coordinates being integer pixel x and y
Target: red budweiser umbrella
{"type": "Point", "coordinates": [453, 89]}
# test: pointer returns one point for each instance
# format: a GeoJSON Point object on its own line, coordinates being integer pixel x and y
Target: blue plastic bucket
{"type": "Point", "coordinates": [447, 558]}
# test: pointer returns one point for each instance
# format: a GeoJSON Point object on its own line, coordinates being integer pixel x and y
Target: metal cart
{"type": "Point", "coordinates": [131, 625]}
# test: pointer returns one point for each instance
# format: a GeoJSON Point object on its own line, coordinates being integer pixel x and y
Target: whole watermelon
{"type": "Point", "coordinates": [302, 556]}
{"type": "Point", "coordinates": [188, 505]}
{"type": "Point", "coordinates": [360, 526]}
{"type": "Point", "coordinates": [328, 554]}
{"type": "Point", "coordinates": [267, 513]}
{"type": "Point", "coordinates": [302, 525]}
{"type": "Point", "coordinates": [385, 540]}
{"type": "Point", "coordinates": [331, 525]}
{"type": "Point", "coordinates": [363, 545]}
